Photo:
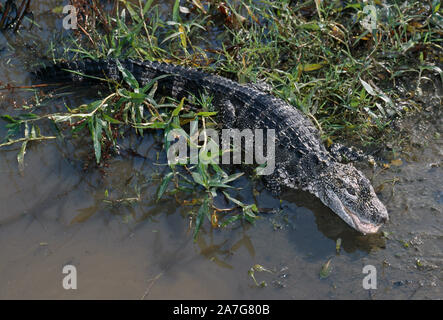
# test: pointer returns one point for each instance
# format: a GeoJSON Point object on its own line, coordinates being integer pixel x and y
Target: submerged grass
{"type": "Point", "coordinates": [323, 57]}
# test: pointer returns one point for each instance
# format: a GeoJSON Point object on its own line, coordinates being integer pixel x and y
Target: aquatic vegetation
{"type": "Point", "coordinates": [319, 56]}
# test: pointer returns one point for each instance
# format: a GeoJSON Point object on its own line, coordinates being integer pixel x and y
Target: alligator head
{"type": "Point", "coordinates": [349, 194]}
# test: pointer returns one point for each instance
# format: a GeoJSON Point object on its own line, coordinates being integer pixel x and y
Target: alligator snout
{"type": "Point", "coordinates": [384, 218]}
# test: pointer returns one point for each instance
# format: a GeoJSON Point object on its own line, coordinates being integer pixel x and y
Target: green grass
{"type": "Point", "coordinates": [319, 58]}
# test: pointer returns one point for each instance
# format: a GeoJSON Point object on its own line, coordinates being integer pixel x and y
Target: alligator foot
{"type": "Point", "coordinates": [344, 154]}
{"type": "Point", "coordinates": [273, 185]}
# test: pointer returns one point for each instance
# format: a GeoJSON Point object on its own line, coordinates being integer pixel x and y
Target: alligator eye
{"type": "Point", "coordinates": [351, 191]}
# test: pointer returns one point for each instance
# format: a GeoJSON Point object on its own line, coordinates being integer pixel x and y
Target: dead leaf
{"type": "Point", "coordinates": [312, 67]}
{"type": "Point", "coordinates": [214, 220]}
{"type": "Point", "coordinates": [84, 214]}
{"type": "Point", "coordinates": [182, 35]}
{"type": "Point", "coordinates": [397, 162]}
{"type": "Point", "coordinates": [326, 269]}
{"type": "Point", "coordinates": [199, 5]}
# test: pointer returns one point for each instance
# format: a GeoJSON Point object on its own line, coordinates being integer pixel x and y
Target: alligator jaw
{"type": "Point", "coordinates": [357, 221]}
{"type": "Point", "coordinates": [362, 226]}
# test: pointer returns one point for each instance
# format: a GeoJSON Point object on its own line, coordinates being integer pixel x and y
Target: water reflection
{"type": "Point", "coordinates": [58, 213]}
{"type": "Point", "coordinates": [332, 227]}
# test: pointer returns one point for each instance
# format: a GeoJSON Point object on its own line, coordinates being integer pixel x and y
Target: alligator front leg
{"type": "Point", "coordinates": [344, 154]}
{"type": "Point", "coordinates": [272, 183]}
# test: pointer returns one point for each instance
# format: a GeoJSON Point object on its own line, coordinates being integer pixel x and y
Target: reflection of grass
{"type": "Point", "coordinates": [315, 55]}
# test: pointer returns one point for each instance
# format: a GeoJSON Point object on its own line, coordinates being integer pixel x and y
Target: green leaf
{"type": "Point", "coordinates": [310, 26]}
{"type": "Point", "coordinates": [13, 130]}
{"type": "Point", "coordinates": [326, 269]}
{"type": "Point", "coordinates": [95, 128]}
{"type": "Point", "coordinates": [175, 11]}
{"type": "Point", "coordinates": [152, 82]}
{"type": "Point", "coordinates": [260, 268]}
{"type": "Point", "coordinates": [60, 118]}
{"type": "Point", "coordinates": [368, 88]}
{"type": "Point", "coordinates": [232, 177]}
{"type": "Point", "coordinates": [147, 6]}
{"type": "Point", "coordinates": [219, 171]}
{"type": "Point", "coordinates": [203, 171]}
{"type": "Point", "coordinates": [202, 212]}
{"type": "Point", "coordinates": [133, 14]}
{"type": "Point", "coordinates": [436, 6]}
{"type": "Point", "coordinates": [353, 6]}
{"type": "Point", "coordinates": [237, 202]}
{"type": "Point", "coordinates": [153, 125]}
{"type": "Point", "coordinates": [79, 127]}
{"type": "Point", "coordinates": [27, 116]}
{"type": "Point", "coordinates": [35, 131]}
{"type": "Point", "coordinates": [21, 157]}
{"type": "Point", "coordinates": [127, 76]}
{"type": "Point", "coordinates": [249, 215]}
{"type": "Point", "coordinates": [198, 178]}
{"type": "Point", "coordinates": [206, 113]}
{"type": "Point", "coordinates": [218, 184]}
{"type": "Point", "coordinates": [174, 35]}
{"type": "Point", "coordinates": [177, 110]}
{"type": "Point", "coordinates": [8, 118]}
{"type": "Point", "coordinates": [137, 96]}
{"type": "Point", "coordinates": [164, 185]}
{"type": "Point", "coordinates": [338, 245]}
{"type": "Point", "coordinates": [110, 119]}
{"type": "Point", "coordinates": [230, 220]}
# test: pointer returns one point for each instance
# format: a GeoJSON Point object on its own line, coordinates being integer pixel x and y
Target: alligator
{"type": "Point", "coordinates": [302, 162]}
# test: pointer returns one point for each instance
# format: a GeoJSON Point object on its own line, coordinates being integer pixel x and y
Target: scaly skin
{"type": "Point", "coordinates": [301, 160]}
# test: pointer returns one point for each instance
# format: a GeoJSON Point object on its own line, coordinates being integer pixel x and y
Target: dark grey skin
{"type": "Point", "coordinates": [301, 160]}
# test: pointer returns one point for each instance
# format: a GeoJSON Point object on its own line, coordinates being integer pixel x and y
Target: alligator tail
{"type": "Point", "coordinates": [81, 71]}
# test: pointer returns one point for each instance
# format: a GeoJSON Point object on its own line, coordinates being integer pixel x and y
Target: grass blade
{"type": "Point", "coordinates": [127, 76]}
{"type": "Point", "coordinates": [21, 157]}
{"type": "Point", "coordinates": [175, 11]}
{"type": "Point", "coordinates": [95, 128]}
{"type": "Point", "coordinates": [147, 6]}
{"type": "Point", "coordinates": [164, 185]}
{"type": "Point", "coordinates": [204, 210]}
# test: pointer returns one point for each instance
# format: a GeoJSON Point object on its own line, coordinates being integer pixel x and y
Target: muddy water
{"type": "Point", "coordinates": [54, 214]}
